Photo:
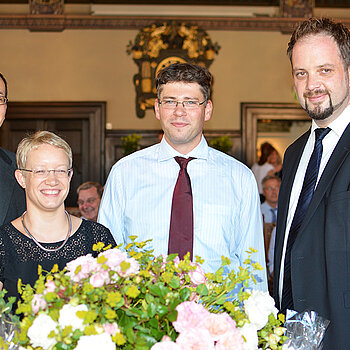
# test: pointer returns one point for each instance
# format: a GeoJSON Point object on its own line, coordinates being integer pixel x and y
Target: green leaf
{"type": "Point", "coordinates": [151, 310]}
{"type": "Point", "coordinates": [202, 289]}
{"type": "Point", "coordinates": [172, 316]}
{"type": "Point", "coordinates": [175, 282]}
{"type": "Point", "coordinates": [162, 310]}
{"type": "Point", "coordinates": [155, 290]}
{"type": "Point", "coordinates": [185, 294]}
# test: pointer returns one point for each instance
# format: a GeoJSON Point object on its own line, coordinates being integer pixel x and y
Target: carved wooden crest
{"type": "Point", "coordinates": [159, 45]}
{"type": "Point", "coordinates": [46, 7]}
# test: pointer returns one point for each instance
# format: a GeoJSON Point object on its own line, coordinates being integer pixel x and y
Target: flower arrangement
{"type": "Point", "coordinates": [130, 143]}
{"type": "Point", "coordinates": [133, 300]}
{"type": "Point", "coordinates": [221, 143]}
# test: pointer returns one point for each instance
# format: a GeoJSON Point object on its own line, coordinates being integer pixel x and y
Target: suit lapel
{"type": "Point", "coordinates": [290, 166]}
{"type": "Point", "coordinates": [7, 183]}
{"type": "Point", "coordinates": [335, 161]}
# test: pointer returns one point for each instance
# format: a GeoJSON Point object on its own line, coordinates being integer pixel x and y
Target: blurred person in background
{"type": "Point", "coordinates": [266, 165]}
{"type": "Point", "coordinates": [89, 198]}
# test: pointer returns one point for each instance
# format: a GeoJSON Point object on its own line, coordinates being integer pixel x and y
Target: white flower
{"type": "Point", "coordinates": [287, 347]}
{"type": "Point", "coordinates": [39, 331]}
{"type": "Point", "coordinates": [258, 307]}
{"type": "Point", "coordinates": [250, 335]}
{"type": "Point", "coordinates": [68, 316]}
{"type": "Point", "coordinates": [93, 342]}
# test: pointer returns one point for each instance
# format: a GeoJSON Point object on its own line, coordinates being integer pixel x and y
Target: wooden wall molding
{"type": "Point", "coordinates": [62, 22]}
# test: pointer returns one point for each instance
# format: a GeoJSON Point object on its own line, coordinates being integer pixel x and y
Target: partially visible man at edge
{"type": "Point", "coordinates": [312, 250]}
{"type": "Point", "coordinates": [137, 199]}
{"type": "Point", "coordinates": [12, 198]}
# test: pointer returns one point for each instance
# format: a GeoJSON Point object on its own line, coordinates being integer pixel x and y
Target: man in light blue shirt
{"type": "Point", "coordinates": [271, 187]}
{"type": "Point", "coordinates": [137, 198]}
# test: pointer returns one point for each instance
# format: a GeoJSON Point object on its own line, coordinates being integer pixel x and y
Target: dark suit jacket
{"type": "Point", "coordinates": [12, 198]}
{"type": "Point", "coordinates": [320, 257]}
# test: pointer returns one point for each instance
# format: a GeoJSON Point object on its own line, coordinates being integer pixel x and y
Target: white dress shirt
{"type": "Point", "coordinates": [226, 207]}
{"type": "Point", "coordinates": [329, 143]}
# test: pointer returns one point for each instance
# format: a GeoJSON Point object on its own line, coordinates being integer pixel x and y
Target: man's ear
{"type": "Point", "coordinates": [156, 108]}
{"type": "Point", "coordinates": [20, 178]}
{"type": "Point", "coordinates": [208, 110]}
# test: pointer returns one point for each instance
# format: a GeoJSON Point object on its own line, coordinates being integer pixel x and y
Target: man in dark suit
{"type": "Point", "coordinates": [312, 251]}
{"type": "Point", "coordinates": [12, 199]}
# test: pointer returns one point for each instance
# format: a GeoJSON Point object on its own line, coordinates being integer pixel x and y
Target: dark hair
{"type": "Point", "coordinates": [266, 150]}
{"type": "Point", "coordinates": [5, 82]}
{"type": "Point", "coordinates": [90, 184]}
{"type": "Point", "coordinates": [187, 73]}
{"type": "Point", "coordinates": [312, 26]}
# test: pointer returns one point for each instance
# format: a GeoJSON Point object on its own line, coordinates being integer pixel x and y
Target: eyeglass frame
{"type": "Point", "coordinates": [197, 104]}
{"type": "Point", "coordinates": [5, 100]}
{"type": "Point", "coordinates": [46, 173]}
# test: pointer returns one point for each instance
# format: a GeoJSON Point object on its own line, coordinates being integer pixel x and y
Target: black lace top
{"type": "Point", "coordinates": [20, 256]}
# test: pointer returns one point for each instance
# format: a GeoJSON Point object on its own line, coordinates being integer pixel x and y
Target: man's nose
{"type": "Point", "coordinates": [313, 82]}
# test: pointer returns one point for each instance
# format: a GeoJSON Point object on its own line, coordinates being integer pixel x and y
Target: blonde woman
{"type": "Point", "coordinates": [45, 234]}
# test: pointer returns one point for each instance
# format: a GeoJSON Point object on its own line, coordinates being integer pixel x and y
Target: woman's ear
{"type": "Point", "coordinates": [20, 178]}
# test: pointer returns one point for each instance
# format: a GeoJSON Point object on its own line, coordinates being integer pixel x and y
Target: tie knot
{"type": "Point", "coordinates": [183, 161]}
{"type": "Point", "coordinates": [320, 133]}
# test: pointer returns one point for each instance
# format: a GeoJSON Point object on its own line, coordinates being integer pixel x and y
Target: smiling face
{"type": "Point", "coordinates": [320, 78]}
{"type": "Point", "coordinates": [182, 127]}
{"type": "Point", "coordinates": [89, 202]}
{"type": "Point", "coordinates": [46, 193]}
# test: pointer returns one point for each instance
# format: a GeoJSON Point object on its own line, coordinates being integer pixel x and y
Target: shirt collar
{"type": "Point", "coordinates": [166, 151]}
{"type": "Point", "coordinates": [338, 125]}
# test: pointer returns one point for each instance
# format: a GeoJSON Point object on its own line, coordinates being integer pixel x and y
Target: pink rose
{"type": "Point", "coordinates": [230, 340]}
{"type": "Point", "coordinates": [197, 276]}
{"type": "Point", "coordinates": [218, 325]}
{"type": "Point", "coordinates": [166, 344]}
{"type": "Point", "coordinates": [133, 269]}
{"type": "Point", "coordinates": [50, 286]}
{"type": "Point", "coordinates": [87, 264]}
{"type": "Point", "coordinates": [100, 278]}
{"type": "Point", "coordinates": [114, 257]}
{"type": "Point", "coordinates": [38, 303]}
{"type": "Point", "coordinates": [111, 328]}
{"type": "Point", "coordinates": [195, 339]}
{"type": "Point", "coordinates": [189, 315]}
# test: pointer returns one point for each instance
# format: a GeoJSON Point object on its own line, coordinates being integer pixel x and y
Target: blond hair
{"type": "Point", "coordinates": [36, 139]}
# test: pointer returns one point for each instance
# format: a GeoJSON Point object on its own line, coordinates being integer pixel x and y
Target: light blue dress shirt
{"type": "Point", "coordinates": [270, 214]}
{"type": "Point", "coordinates": [226, 206]}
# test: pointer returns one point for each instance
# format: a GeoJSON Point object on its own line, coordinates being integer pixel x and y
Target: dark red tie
{"type": "Point", "coordinates": [181, 222]}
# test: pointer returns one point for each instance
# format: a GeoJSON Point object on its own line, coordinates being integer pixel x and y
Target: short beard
{"type": "Point", "coordinates": [317, 113]}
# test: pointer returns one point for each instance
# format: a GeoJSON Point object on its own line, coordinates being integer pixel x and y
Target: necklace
{"type": "Point", "coordinates": [38, 244]}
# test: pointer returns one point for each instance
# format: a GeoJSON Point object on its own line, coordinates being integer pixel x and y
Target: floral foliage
{"type": "Point", "coordinates": [133, 300]}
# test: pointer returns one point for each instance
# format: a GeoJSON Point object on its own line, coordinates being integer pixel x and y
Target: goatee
{"type": "Point", "coordinates": [318, 113]}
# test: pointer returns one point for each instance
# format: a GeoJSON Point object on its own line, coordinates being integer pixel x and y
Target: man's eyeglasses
{"type": "Point", "coordinates": [42, 174]}
{"type": "Point", "coordinates": [3, 100]}
{"type": "Point", "coordinates": [270, 188]}
{"type": "Point", "coordinates": [188, 104]}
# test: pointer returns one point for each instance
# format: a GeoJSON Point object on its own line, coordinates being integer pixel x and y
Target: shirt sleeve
{"type": "Point", "coordinates": [251, 230]}
{"type": "Point", "coordinates": [112, 206]}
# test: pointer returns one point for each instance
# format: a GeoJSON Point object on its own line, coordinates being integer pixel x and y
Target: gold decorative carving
{"type": "Point", "coordinates": [297, 8]}
{"type": "Point", "coordinates": [46, 7]}
{"type": "Point", "coordinates": [159, 45]}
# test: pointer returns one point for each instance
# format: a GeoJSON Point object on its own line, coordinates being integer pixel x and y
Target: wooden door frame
{"type": "Point", "coordinates": [94, 112]}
